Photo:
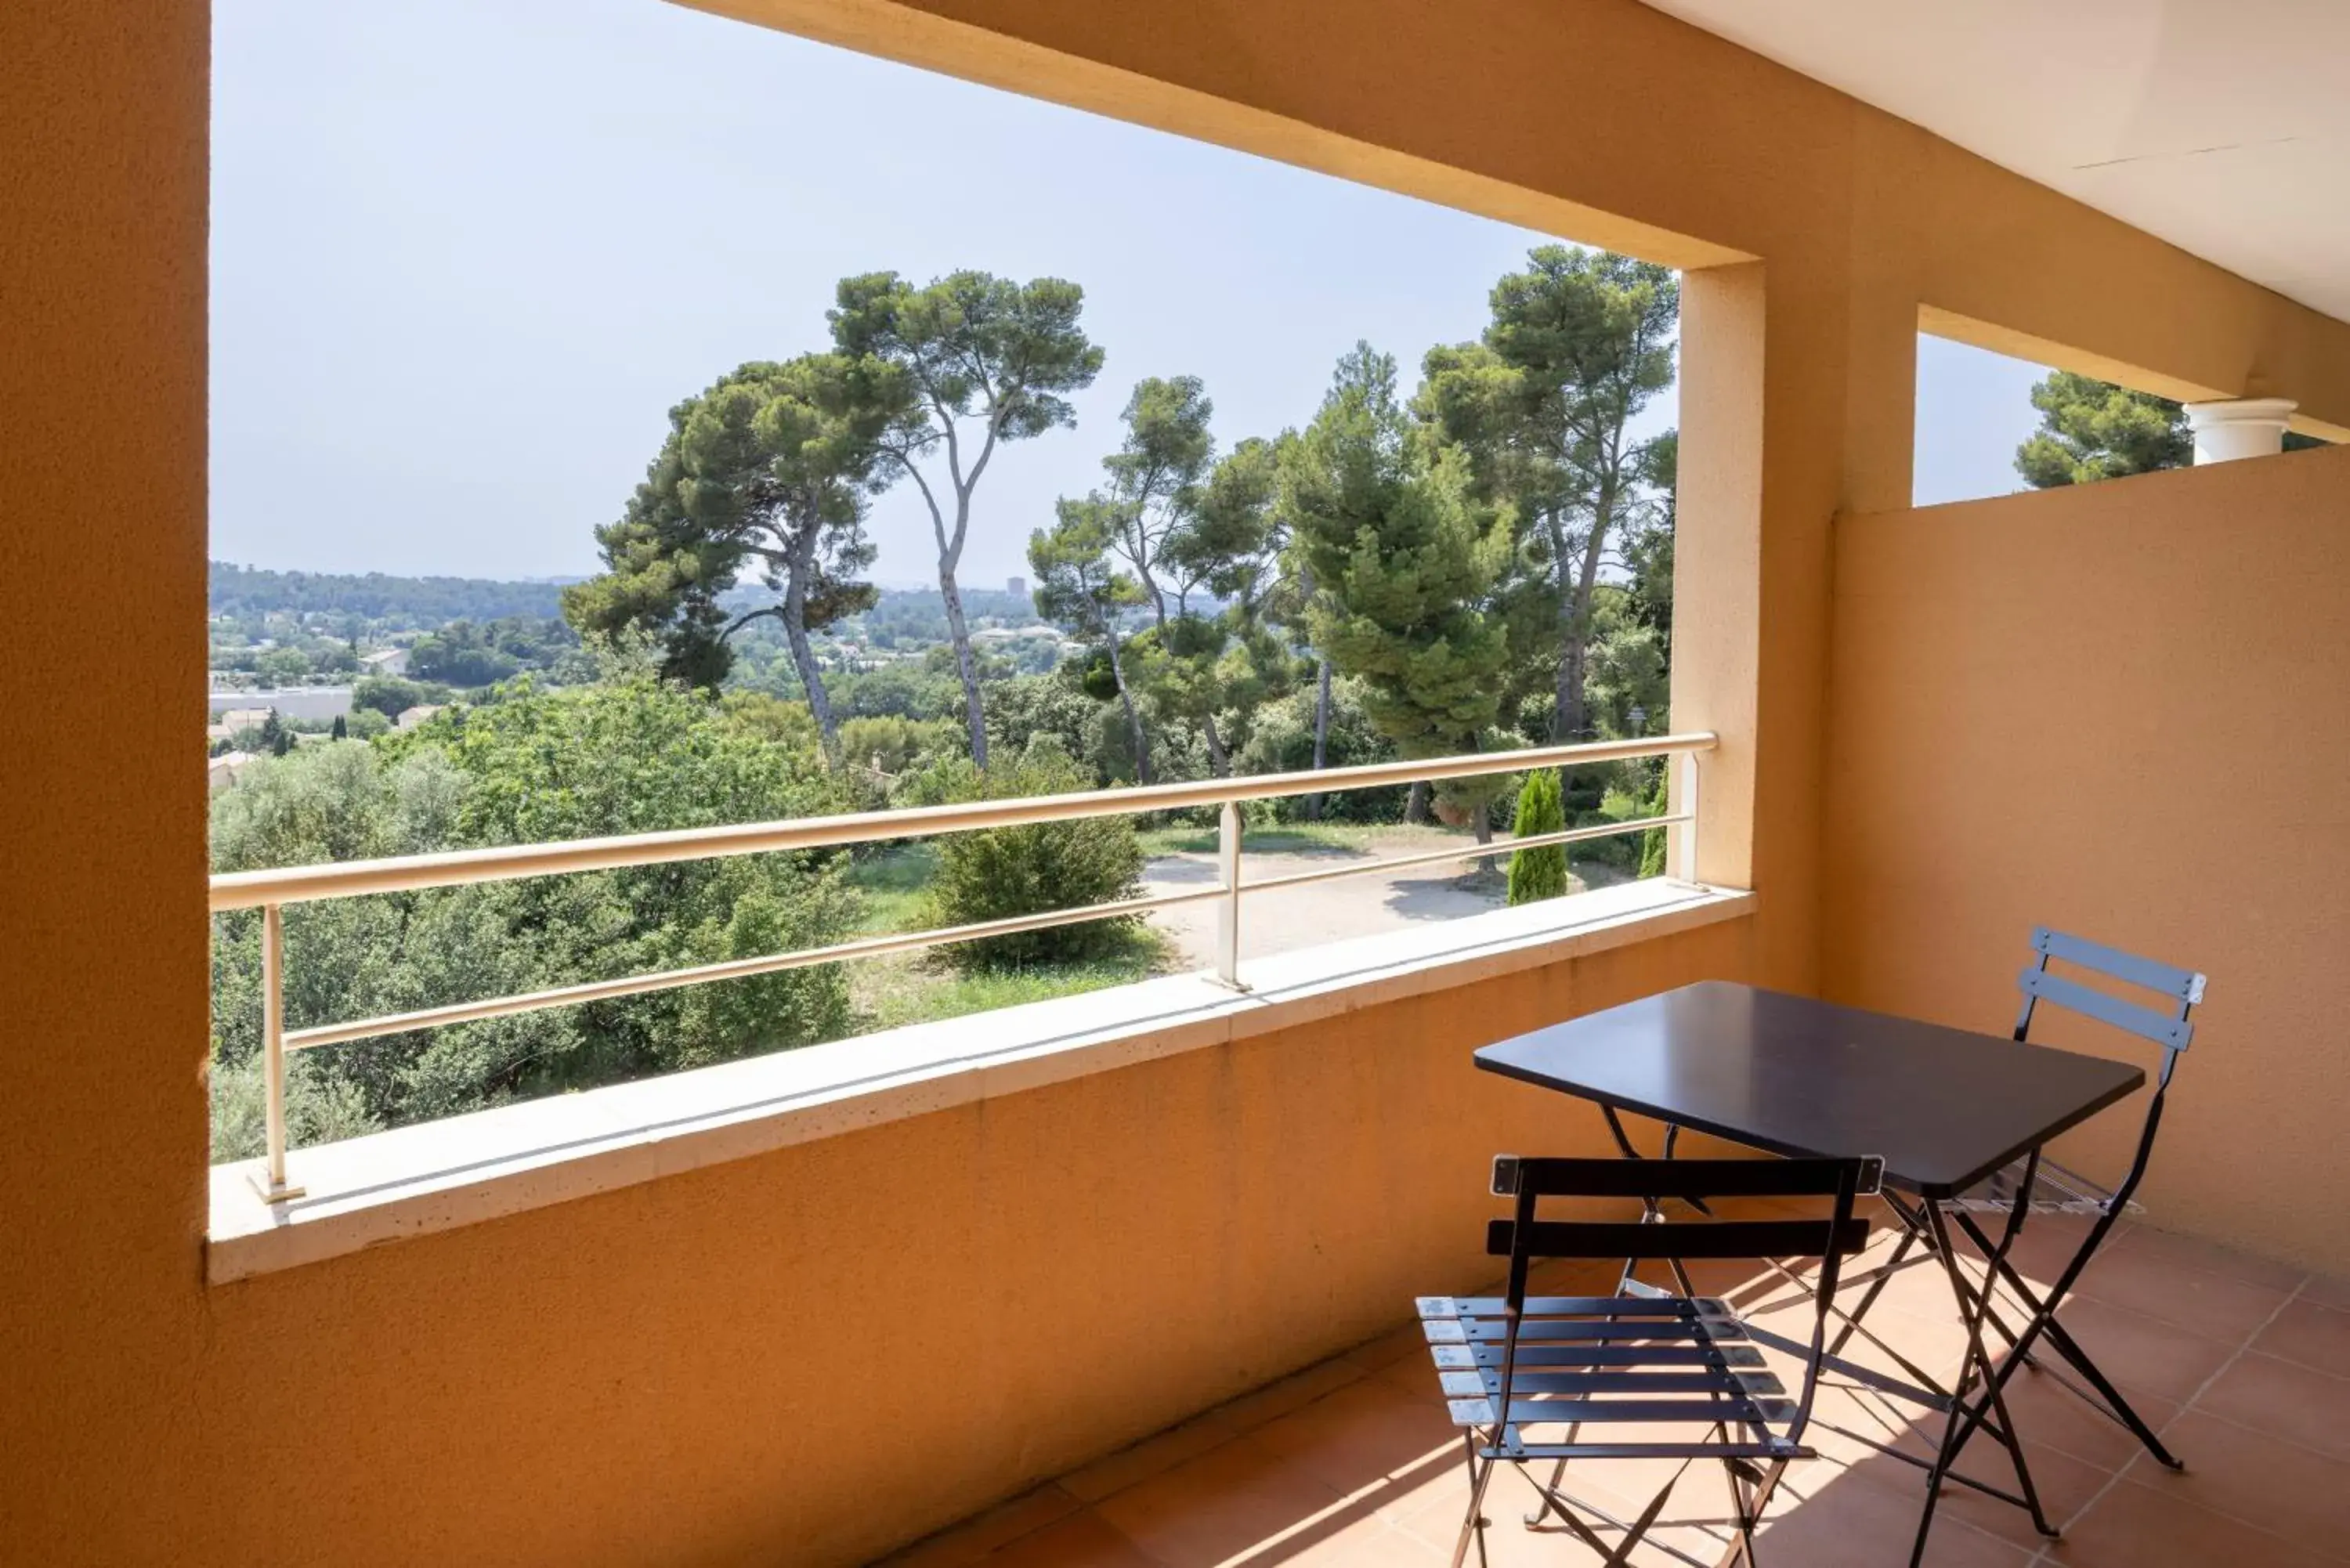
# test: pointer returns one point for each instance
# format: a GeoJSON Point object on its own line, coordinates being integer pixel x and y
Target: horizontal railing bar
{"type": "Point", "coordinates": [1473, 852]}
{"type": "Point", "coordinates": [874, 947]}
{"type": "Point", "coordinates": [731, 968]}
{"type": "Point", "coordinates": [460, 867]}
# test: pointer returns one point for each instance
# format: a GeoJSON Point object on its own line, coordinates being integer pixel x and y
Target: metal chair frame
{"type": "Point", "coordinates": [2013, 1194]}
{"type": "Point", "coordinates": [1513, 1362]}
{"type": "Point", "coordinates": [1922, 1220]}
{"type": "Point", "coordinates": [2173, 1032]}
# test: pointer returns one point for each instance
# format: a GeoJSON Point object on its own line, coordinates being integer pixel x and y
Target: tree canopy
{"type": "Point", "coordinates": [1405, 558]}
{"type": "Point", "coordinates": [985, 361]}
{"type": "Point", "coordinates": [771, 471]}
{"type": "Point", "coordinates": [1540, 406]}
{"type": "Point", "coordinates": [2091, 430]}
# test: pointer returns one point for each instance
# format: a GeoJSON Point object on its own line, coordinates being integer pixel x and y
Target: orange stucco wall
{"type": "Point", "coordinates": [814, 1356]}
{"type": "Point", "coordinates": [2119, 709]}
{"type": "Point", "coordinates": [669, 1373]}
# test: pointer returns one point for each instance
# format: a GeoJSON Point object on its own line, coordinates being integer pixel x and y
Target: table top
{"type": "Point", "coordinates": [1945, 1107]}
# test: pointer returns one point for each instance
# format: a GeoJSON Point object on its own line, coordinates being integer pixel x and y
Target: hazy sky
{"type": "Point", "coordinates": [466, 254]}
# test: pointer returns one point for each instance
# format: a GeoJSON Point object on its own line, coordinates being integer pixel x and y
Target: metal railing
{"type": "Point", "coordinates": [270, 891]}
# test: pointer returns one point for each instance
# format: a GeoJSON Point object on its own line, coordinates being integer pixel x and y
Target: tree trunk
{"type": "Point", "coordinates": [1573, 721]}
{"type": "Point", "coordinates": [819, 702]}
{"type": "Point", "coordinates": [965, 665]}
{"type": "Point", "coordinates": [1480, 822]}
{"type": "Point", "coordinates": [1133, 717]}
{"type": "Point", "coordinates": [1321, 736]}
{"type": "Point", "coordinates": [1219, 763]}
{"type": "Point", "coordinates": [1415, 804]}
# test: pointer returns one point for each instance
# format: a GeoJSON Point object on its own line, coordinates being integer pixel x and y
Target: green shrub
{"type": "Point", "coordinates": [1539, 873]}
{"type": "Point", "coordinates": [1000, 872]}
{"type": "Point", "coordinates": [890, 744]}
{"type": "Point", "coordinates": [1653, 843]}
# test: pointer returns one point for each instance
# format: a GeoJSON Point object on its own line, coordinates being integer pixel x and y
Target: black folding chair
{"type": "Point", "coordinates": [1516, 1362]}
{"type": "Point", "coordinates": [2059, 1189]}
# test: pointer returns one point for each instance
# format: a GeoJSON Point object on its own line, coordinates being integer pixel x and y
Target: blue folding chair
{"type": "Point", "coordinates": [2168, 1026]}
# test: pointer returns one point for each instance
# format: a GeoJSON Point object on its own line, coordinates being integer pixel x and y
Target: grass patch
{"type": "Point", "coordinates": [1355, 837]}
{"type": "Point", "coordinates": [890, 884]}
{"type": "Point", "coordinates": [921, 988]}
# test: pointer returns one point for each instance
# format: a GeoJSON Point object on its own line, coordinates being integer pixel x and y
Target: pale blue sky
{"type": "Point", "coordinates": [467, 252]}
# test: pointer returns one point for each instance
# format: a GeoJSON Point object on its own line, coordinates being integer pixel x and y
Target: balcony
{"type": "Point", "coordinates": [1144, 1273]}
{"type": "Point", "coordinates": [2238, 1362]}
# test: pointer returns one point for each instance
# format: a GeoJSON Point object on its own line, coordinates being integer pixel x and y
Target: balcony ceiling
{"type": "Point", "coordinates": [2222, 126]}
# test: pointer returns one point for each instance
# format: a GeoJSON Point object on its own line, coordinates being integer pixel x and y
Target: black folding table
{"type": "Point", "coordinates": [1945, 1109]}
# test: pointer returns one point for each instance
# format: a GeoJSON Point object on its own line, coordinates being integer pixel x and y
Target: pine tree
{"type": "Point", "coordinates": [1405, 561]}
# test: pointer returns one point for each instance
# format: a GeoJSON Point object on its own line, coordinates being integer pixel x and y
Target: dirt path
{"type": "Point", "coordinates": [1280, 920]}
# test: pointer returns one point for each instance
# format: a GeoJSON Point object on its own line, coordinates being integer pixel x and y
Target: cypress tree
{"type": "Point", "coordinates": [1541, 872]}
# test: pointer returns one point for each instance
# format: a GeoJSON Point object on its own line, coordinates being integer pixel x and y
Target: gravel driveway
{"type": "Point", "coordinates": [1280, 920]}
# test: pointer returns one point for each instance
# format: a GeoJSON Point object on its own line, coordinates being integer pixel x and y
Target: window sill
{"type": "Point", "coordinates": [415, 1180]}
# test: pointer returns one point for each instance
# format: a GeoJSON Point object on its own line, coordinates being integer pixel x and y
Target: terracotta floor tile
{"type": "Point", "coordinates": [1355, 1438]}
{"type": "Point", "coordinates": [2047, 1244]}
{"type": "Point", "coordinates": [2053, 1417]}
{"type": "Point", "coordinates": [1407, 1341]}
{"type": "Point", "coordinates": [973, 1540]}
{"type": "Point", "coordinates": [1413, 1375]}
{"type": "Point", "coordinates": [1364, 1540]}
{"type": "Point", "coordinates": [1275, 1399]}
{"type": "Point", "coordinates": [2284, 1399]}
{"type": "Point", "coordinates": [2310, 1334]}
{"type": "Point", "coordinates": [2135, 1526]}
{"type": "Point", "coordinates": [1082, 1541]}
{"type": "Point", "coordinates": [2297, 1492]}
{"type": "Point", "coordinates": [1858, 1522]}
{"type": "Point", "coordinates": [1227, 1501]}
{"type": "Point", "coordinates": [2065, 1485]}
{"type": "Point", "coordinates": [2191, 1252]}
{"type": "Point", "coordinates": [2216, 1305]}
{"type": "Point", "coordinates": [2141, 1353]}
{"type": "Point", "coordinates": [2327, 1291]}
{"type": "Point", "coordinates": [1436, 1520]}
{"type": "Point", "coordinates": [1152, 1455]}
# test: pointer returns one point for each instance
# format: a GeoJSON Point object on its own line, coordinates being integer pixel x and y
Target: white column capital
{"type": "Point", "coordinates": [2238, 427]}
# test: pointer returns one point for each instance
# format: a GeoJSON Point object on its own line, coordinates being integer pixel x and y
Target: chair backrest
{"type": "Point", "coordinates": [1523, 1237]}
{"type": "Point", "coordinates": [2168, 1025]}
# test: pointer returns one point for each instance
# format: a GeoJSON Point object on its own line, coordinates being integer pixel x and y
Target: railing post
{"type": "Point", "coordinates": [272, 1049]}
{"type": "Point", "coordinates": [1228, 910]}
{"type": "Point", "coordinates": [1684, 855]}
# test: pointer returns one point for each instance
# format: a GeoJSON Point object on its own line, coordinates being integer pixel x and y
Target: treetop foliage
{"type": "Point", "coordinates": [769, 471]}
{"type": "Point", "coordinates": [1405, 558]}
{"type": "Point", "coordinates": [2091, 430]}
{"type": "Point", "coordinates": [973, 344]}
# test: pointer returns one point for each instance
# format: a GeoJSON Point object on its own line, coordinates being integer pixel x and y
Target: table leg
{"type": "Point", "coordinates": [1973, 1309]}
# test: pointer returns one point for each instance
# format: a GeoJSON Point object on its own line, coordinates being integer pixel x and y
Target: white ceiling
{"type": "Point", "coordinates": [2223, 126]}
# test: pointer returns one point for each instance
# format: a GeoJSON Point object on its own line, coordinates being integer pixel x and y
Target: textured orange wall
{"type": "Point", "coordinates": [667, 1373]}
{"type": "Point", "coordinates": [814, 1356]}
{"type": "Point", "coordinates": [102, 963]}
{"type": "Point", "coordinates": [2119, 709]}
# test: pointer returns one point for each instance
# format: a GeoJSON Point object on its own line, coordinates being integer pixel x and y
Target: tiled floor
{"type": "Point", "coordinates": [2243, 1365]}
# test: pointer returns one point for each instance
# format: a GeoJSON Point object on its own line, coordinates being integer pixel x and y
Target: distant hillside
{"type": "Point", "coordinates": [432, 601]}
{"type": "Point", "coordinates": [428, 601]}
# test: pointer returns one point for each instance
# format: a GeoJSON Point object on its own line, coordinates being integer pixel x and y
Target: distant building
{"type": "Point", "coordinates": [223, 770]}
{"type": "Point", "coordinates": [1017, 587]}
{"type": "Point", "coordinates": [412, 717]}
{"type": "Point", "coordinates": [232, 719]}
{"type": "Point", "coordinates": [389, 661]}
